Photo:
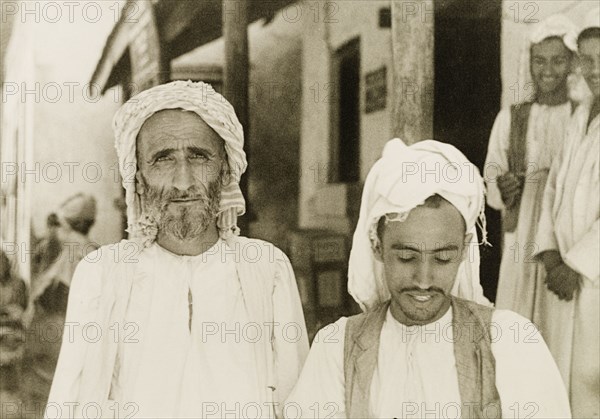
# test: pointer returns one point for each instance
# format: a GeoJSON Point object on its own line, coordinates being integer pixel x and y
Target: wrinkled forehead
{"type": "Point", "coordinates": [168, 119]}
{"type": "Point", "coordinates": [169, 126]}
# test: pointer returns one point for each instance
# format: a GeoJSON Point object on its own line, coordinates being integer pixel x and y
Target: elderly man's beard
{"type": "Point", "coordinates": [185, 222]}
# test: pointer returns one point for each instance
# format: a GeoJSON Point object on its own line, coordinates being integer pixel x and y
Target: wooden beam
{"type": "Point", "coordinates": [112, 53]}
{"type": "Point", "coordinates": [412, 48]}
{"type": "Point", "coordinates": [236, 75]}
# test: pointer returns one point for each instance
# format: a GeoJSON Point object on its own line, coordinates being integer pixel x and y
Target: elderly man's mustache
{"type": "Point", "coordinates": [192, 193]}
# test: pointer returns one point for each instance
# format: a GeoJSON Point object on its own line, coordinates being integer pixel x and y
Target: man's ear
{"type": "Point", "coordinates": [377, 248]}
{"type": "Point", "coordinates": [465, 250]}
{"type": "Point", "coordinates": [139, 183]}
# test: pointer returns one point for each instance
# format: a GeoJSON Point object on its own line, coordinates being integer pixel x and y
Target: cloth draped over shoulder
{"type": "Point", "coordinates": [402, 179]}
{"type": "Point", "coordinates": [216, 111]}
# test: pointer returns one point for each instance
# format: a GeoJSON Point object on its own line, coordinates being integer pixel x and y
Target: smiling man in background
{"type": "Point", "coordinates": [525, 139]}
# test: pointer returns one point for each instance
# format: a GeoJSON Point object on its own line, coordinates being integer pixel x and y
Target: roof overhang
{"type": "Point", "coordinates": [182, 25]}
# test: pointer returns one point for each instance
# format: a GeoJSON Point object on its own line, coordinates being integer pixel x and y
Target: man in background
{"type": "Point", "coordinates": [67, 243]}
{"type": "Point", "coordinates": [523, 143]}
{"type": "Point", "coordinates": [569, 242]}
{"type": "Point", "coordinates": [13, 302]}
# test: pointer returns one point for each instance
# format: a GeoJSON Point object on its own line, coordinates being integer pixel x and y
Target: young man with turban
{"type": "Point", "coordinates": [524, 140]}
{"type": "Point", "coordinates": [428, 343]}
{"type": "Point", "coordinates": [196, 321]}
{"type": "Point", "coordinates": [569, 242]}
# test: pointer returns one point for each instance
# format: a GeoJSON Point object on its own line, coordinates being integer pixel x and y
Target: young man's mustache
{"type": "Point", "coordinates": [430, 290]}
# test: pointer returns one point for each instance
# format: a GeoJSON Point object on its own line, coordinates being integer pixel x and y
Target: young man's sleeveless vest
{"type": "Point", "coordinates": [475, 363]}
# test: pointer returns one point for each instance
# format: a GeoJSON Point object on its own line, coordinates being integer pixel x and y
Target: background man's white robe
{"type": "Point", "coordinates": [416, 374]}
{"type": "Point", "coordinates": [521, 277]}
{"type": "Point", "coordinates": [165, 370]}
{"type": "Point", "coordinates": [570, 223]}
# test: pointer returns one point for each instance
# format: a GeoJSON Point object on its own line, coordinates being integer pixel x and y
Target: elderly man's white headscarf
{"type": "Point", "coordinates": [554, 26]}
{"type": "Point", "coordinates": [401, 180]}
{"type": "Point", "coordinates": [217, 112]}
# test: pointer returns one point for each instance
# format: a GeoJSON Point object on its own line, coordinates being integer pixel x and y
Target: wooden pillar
{"type": "Point", "coordinates": [235, 79]}
{"type": "Point", "coordinates": [413, 69]}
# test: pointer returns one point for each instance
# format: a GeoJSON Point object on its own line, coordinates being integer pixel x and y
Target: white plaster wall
{"type": "Point", "coordinates": [70, 127]}
{"type": "Point", "coordinates": [16, 146]}
{"type": "Point", "coordinates": [347, 20]}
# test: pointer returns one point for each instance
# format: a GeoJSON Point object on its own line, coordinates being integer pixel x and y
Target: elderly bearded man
{"type": "Point", "coordinates": [424, 347]}
{"type": "Point", "coordinates": [195, 321]}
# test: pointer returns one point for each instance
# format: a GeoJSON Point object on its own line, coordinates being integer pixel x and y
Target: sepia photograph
{"type": "Point", "coordinates": [286, 209]}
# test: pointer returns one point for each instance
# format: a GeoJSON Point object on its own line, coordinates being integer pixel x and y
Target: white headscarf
{"type": "Point", "coordinates": [216, 111]}
{"type": "Point", "coordinates": [592, 19]}
{"type": "Point", "coordinates": [80, 206]}
{"type": "Point", "coordinates": [554, 26]}
{"type": "Point", "coordinates": [401, 180]}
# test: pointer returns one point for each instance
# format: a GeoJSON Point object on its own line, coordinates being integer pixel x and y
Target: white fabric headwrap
{"type": "Point", "coordinates": [216, 111]}
{"type": "Point", "coordinates": [401, 180]}
{"type": "Point", "coordinates": [554, 26]}
{"type": "Point", "coordinates": [592, 19]}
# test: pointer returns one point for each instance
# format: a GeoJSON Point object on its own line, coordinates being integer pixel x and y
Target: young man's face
{"type": "Point", "coordinates": [550, 65]}
{"type": "Point", "coordinates": [589, 55]}
{"type": "Point", "coordinates": [421, 256]}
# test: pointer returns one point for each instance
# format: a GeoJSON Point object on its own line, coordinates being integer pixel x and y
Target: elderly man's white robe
{"type": "Point", "coordinates": [520, 278]}
{"type": "Point", "coordinates": [416, 374]}
{"type": "Point", "coordinates": [570, 224]}
{"type": "Point", "coordinates": [176, 359]}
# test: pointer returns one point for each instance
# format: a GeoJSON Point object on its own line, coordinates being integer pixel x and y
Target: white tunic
{"type": "Point", "coordinates": [570, 223]}
{"type": "Point", "coordinates": [416, 374]}
{"type": "Point", "coordinates": [167, 366]}
{"type": "Point", "coordinates": [520, 277]}
{"type": "Point", "coordinates": [172, 371]}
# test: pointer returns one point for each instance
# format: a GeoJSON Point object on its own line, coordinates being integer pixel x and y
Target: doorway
{"type": "Point", "coordinates": [468, 91]}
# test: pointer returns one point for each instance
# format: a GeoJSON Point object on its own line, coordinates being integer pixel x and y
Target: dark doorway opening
{"type": "Point", "coordinates": [468, 93]}
{"type": "Point", "coordinates": [345, 146]}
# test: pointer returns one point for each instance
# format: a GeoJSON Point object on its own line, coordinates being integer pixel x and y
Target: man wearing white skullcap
{"type": "Point", "coordinates": [428, 343]}
{"type": "Point", "coordinates": [524, 140]}
{"type": "Point", "coordinates": [568, 241]}
{"type": "Point", "coordinates": [195, 320]}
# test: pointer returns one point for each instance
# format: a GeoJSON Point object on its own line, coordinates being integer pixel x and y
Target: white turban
{"type": "Point", "coordinates": [80, 206]}
{"type": "Point", "coordinates": [216, 111]}
{"type": "Point", "coordinates": [592, 19]}
{"type": "Point", "coordinates": [554, 26]}
{"type": "Point", "coordinates": [401, 180]}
